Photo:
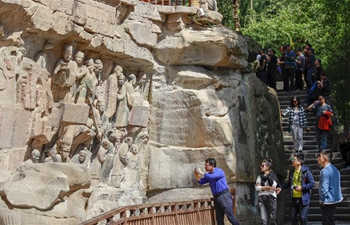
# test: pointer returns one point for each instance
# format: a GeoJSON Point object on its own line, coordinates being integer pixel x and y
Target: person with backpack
{"type": "Point", "coordinates": [300, 183]}
{"type": "Point", "coordinates": [268, 187]}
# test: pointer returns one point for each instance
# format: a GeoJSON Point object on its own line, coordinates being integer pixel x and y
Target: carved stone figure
{"type": "Point", "coordinates": [64, 153]}
{"type": "Point", "coordinates": [111, 91]}
{"type": "Point", "coordinates": [64, 76]}
{"type": "Point", "coordinates": [106, 156]}
{"type": "Point", "coordinates": [52, 155]}
{"type": "Point", "coordinates": [98, 68]}
{"type": "Point", "coordinates": [130, 89]}
{"type": "Point", "coordinates": [81, 157]}
{"type": "Point", "coordinates": [10, 64]}
{"type": "Point", "coordinates": [122, 112]}
{"type": "Point", "coordinates": [41, 56]}
{"type": "Point", "coordinates": [120, 162]}
{"type": "Point", "coordinates": [35, 156]}
{"type": "Point", "coordinates": [71, 136]}
{"type": "Point", "coordinates": [140, 84]}
{"type": "Point", "coordinates": [104, 123]}
{"type": "Point", "coordinates": [87, 84]}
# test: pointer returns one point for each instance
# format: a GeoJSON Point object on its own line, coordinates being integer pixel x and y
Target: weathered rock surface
{"type": "Point", "coordinates": [135, 94]}
{"type": "Point", "coordinates": [51, 190]}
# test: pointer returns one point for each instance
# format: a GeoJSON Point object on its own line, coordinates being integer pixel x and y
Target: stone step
{"type": "Point", "coordinates": [315, 203]}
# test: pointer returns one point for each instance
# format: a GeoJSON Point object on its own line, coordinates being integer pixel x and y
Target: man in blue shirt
{"type": "Point", "coordinates": [329, 189]}
{"type": "Point", "coordinates": [218, 185]}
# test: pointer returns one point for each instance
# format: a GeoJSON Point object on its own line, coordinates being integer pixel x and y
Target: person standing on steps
{"type": "Point", "coordinates": [300, 183]}
{"type": "Point", "coordinates": [329, 188]}
{"type": "Point", "coordinates": [323, 113]}
{"type": "Point", "coordinates": [218, 185]}
{"type": "Point", "coordinates": [297, 122]}
{"type": "Point", "coordinates": [268, 187]}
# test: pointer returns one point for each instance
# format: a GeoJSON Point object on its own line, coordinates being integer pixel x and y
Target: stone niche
{"type": "Point", "coordinates": [104, 105]}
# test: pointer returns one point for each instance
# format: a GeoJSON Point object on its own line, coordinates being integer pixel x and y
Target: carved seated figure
{"type": "Point", "coordinates": [52, 155]}
{"type": "Point", "coordinates": [64, 153]}
{"type": "Point", "coordinates": [81, 157]}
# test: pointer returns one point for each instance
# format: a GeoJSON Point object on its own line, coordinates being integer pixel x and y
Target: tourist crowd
{"type": "Point", "coordinates": [300, 70]}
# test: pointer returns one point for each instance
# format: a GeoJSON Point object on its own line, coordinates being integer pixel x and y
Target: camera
{"type": "Point", "coordinates": [294, 187]}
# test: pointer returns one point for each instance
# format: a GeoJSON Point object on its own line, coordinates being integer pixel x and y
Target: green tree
{"type": "Point", "coordinates": [322, 23]}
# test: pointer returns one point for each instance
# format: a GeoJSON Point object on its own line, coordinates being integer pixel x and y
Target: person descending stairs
{"type": "Point", "coordinates": [310, 151]}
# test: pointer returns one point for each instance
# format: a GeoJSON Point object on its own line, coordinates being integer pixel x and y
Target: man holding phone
{"type": "Point", "coordinates": [218, 185]}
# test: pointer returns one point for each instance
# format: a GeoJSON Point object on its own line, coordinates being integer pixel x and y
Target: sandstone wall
{"type": "Point", "coordinates": [130, 97]}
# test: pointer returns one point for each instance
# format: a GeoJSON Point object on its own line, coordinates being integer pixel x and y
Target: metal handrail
{"type": "Point", "coordinates": [200, 211]}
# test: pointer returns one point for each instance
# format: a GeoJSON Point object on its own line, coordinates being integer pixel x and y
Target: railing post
{"type": "Point", "coordinates": [233, 193]}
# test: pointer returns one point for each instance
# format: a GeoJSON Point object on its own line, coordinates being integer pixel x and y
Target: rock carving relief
{"type": "Point", "coordinates": [70, 121]}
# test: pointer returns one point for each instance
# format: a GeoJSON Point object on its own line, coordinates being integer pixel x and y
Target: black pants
{"type": "Point", "coordinates": [271, 78]}
{"type": "Point", "coordinates": [267, 209]}
{"type": "Point", "coordinates": [289, 74]}
{"type": "Point", "coordinates": [298, 80]}
{"type": "Point", "coordinates": [224, 206]}
{"type": "Point", "coordinates": [328, 214]}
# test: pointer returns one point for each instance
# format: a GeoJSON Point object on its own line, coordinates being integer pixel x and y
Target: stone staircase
{"type": "Point", "coordinates": [310, 150]}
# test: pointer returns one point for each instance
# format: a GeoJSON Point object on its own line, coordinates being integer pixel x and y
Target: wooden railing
{"type": "Point", "coordinates": [174, 213]}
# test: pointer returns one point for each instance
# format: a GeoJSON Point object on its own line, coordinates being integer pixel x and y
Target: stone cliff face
{"type": "Point", "coordinates": [111, 103]}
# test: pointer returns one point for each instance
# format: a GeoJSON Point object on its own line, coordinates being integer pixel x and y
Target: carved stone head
{"type": "Point", "coordinates": [82, 155]}
{"type": "Point", "coordinates": [101, 106]}
{"type": "Point", "coordinates": [106, 144]}
{"type": "Point", "coordinates": [118, 70]}
{"type": "Point", "coordinates": [67, 52]}
{"type": "Point", "coordinates": [132, 79]}
{"type": "Point", "coordinates": [121, 80]}
{"type": "Point", "coordinates": [35, 156]}
{"type": "Point", "coordinates": [98, 66]}
{"type": "Point", "coordinates": [79, 57]}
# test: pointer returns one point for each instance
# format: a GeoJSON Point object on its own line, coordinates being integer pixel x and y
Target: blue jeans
{"type": "Point", "coordinates": [321, 137]}
{"type": "Point", "coordinates": [224, 206]}
{"type": "Point", "coordinates": [309, 78]}
{"type": "Point", "coordinates": [296, 208]}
